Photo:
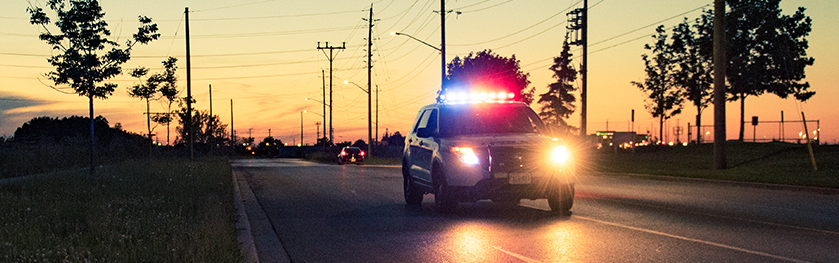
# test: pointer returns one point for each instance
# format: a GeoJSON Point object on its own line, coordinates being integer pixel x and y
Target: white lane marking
{"type": "Point", "coordinates": [692, 240]}
{"type": "Point", "coordinates": [725, 217]}
{"type": "Point", "coordinates": [518, 256]}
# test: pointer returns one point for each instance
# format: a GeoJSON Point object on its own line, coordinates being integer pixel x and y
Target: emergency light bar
{"type": "Point", "coordinates": [464, 97]}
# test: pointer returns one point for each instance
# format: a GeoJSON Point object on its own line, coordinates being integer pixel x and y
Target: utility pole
{"type": "Point", "coordinates": [323, 101]}
{"type": "Point", "coordinates": [232, 136]}
{"type": "Point", "coordinates": [578, 24]}
{"type": "Point", "coordinates": [377, 114]}
{"type": "Point", "coordinates": [189, 126]}
{"type": "Point", "coordinates": [330, 57]}
{"type": "Point", "coordinates": [211, 101]}
{"type": "Point", "coordinates": [443, 43]}
{"type": "Point", "coordinates": [584, 67]}
{"type": "Point", "coordinates": [720, 63]}
{"type": "Point", "coordinates": [269, 132]}
{"type": "Point", "coordinates": [317, 131]}
{"type": "Point", "coordinates": [370, 84]}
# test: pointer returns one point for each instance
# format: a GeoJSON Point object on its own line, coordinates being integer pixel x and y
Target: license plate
{"type": "Point", "coordinates": [520, 178]}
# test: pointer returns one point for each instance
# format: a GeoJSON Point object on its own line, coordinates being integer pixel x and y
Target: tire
{"type": "Point", "coordinates": [561, 199]}
{"type": "Point", "coordinates": [412, 194]}
{"type": "Point", "coordinates": [444, 198]}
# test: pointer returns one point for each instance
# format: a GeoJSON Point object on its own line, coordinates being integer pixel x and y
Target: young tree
{"type": "Point", "coordinates": [486, 69]}
{"type": "Point", "coordinates": [85, 57]}
{"type": "Point", "coordinates": [694, 67]}
{"type": "Point", "coordinates": [766, 51]}
{"type": "Point", "coordinates": [167, 84]}
{"type": "Point", "coordinates": [557, 102]}
{"type": "Point", "coordinates": [664, 99]}
{"type": "Point", "coordinates": [145, 91]}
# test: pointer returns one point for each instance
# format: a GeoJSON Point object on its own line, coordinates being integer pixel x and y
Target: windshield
{"type": "Point", "coordinates": [489, 118]}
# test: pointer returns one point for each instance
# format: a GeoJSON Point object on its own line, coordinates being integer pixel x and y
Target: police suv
{"type": "Point", "coordinates": [468, 147]}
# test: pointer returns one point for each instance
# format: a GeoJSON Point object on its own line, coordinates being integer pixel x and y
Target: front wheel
{"type": "Point", "coordinates": [561, 199]}
{"type": "Point", "coordinates": [412, 195]}
{"type": "Point", "coordinates": [444, 198]}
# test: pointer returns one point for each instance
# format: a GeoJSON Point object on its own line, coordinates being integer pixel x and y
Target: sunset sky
{"type": "Point", "coordinates": [263, 55]}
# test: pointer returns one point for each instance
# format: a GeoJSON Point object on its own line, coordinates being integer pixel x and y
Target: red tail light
{"type": "Point", "coordinates": [343, 153]}
{"type": "Point", "coordinates": [362, 153]}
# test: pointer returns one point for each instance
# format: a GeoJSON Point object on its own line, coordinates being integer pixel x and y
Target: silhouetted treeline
{"type": "Point", "coordinates": [45, 144]}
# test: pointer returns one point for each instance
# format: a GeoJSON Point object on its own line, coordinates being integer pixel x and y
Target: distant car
{"type": "Point", "coordinates": [351, 155]}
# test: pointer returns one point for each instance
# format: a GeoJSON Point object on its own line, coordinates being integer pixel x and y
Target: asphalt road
{"type": "Point", "coordinates": [332, 213]}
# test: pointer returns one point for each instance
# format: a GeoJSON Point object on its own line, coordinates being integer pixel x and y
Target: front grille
{"type": "Point", "coordinates": [513, 159]}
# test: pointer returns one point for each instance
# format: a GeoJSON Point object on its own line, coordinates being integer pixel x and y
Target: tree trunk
{"type": "Point", "coordinates": [661, 128]}
{"type": "Point", "coordinates": [92, 139]}
{"type": "Point", "coordinates": [698, 125]}
{"type": "Point", "coordinates": [148, 126]}
{"type": "Point", "coordinates": [742, 115]}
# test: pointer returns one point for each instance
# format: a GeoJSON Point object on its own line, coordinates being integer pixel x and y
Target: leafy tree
{"type": "Point", "coordinates": [485, 69]}
{"type": "Point", "coordinates": [693, 73]}
{"type": "Point", "coordinates": [396, 139]}
{"type": "Point", "coordinates": [360, 144]}
{"type": "Point", "coordinates": [766, 51]}
{"type": "Point", "coordinates": [269, 147]}
{"type": "Point", "coordinates": [208, 129]}
{"type": "Point", "coordinates": [664, 100]}
{"type": "Point", "coordinates": [81, 39]}
{"type": "Point", "coordinates": [557, 102]}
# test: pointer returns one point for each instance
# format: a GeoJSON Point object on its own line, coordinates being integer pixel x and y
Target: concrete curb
{"type": "Point", "coordinates": [781, 187]}
{"type": "Point", "coordinates": [243, 226]}
{"type": "Point", "coordinates": [267, 246]}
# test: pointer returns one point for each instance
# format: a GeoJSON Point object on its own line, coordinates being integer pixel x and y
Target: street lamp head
{"type": "Point", "coordinates": [346, 82]}
{"type": "Point", "coordinates": [304, 111]}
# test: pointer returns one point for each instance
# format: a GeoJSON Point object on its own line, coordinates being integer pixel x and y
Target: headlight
{"type": "Point", "coordinates": [561, 154]}
{"type": "Point", "coordinates": [466, 155]}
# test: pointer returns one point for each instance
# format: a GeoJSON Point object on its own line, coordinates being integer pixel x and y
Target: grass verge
{"type": "Point", "coordinates": [160, 210]}
{"type": "Point", "coordinates": [778, 163]}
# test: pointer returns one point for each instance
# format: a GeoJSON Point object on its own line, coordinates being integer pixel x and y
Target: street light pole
{"type": "Point", "coordinates": [441, 49]}
{"type": "Point", "coordinates": [301, 128]}
{"type": "Point", "coordinates": [324, 118]}
{"type": "Point", "coordinates": [369, 115]}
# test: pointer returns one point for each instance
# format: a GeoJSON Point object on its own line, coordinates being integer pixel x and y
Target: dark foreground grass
{"type": "Point", "coordinates": [163, 210]}
{"type": "Point", "coordinates": [778, 163]}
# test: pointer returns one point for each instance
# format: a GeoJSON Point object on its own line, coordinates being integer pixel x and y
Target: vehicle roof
{"type": "Point", "coordinates": [482, 104]}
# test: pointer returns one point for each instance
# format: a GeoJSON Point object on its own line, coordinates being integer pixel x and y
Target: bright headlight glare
{"type": "Point", "coordinates": [466, 155]}
{"type": "Point", "coordinates": [561, 154]}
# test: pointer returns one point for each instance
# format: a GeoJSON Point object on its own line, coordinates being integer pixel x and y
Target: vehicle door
{"type": "Point", "coordinates": [423, 145]}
